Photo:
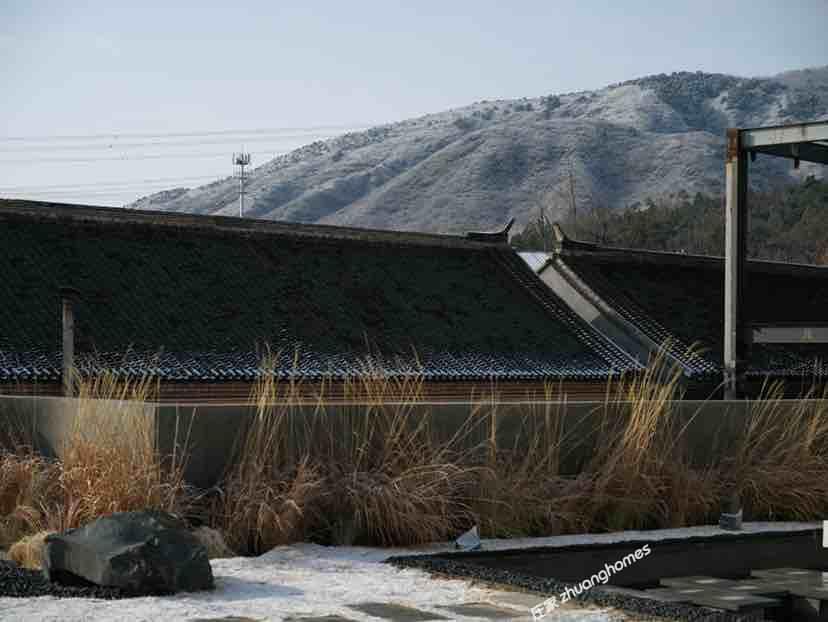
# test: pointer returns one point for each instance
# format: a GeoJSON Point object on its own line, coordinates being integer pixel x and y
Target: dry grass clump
{"type": "Point", "coordinates": [383, 469]}
{"type": "Point", "coordinates": [781, 463]}
{"type": "Point", "coordinates": [392, 480]}
{"type": "Point", "coordinates": [28, 551]}
{"type": "Point", "coordinates": [639, 475]}
{"type": "Point", "coordinates": [265, 498]}
{"type": "Point", "coordinates": [27, 481]}
{"type": "Point", "coordinates": [108, 464]}
{"type": "Point", "coordinates": [372, 474]}
{"type": "Point", "coordinates": [636, 473]}
{"type": "Point", "coordinates": [521, 492]}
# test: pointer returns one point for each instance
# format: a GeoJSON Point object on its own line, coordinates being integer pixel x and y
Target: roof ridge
{"type": "Point", "coordinates": [566, 246]}
{"type": "Point", "coordinates": [116, 215]}
{"type": "Point", "coordinates": [690, 360]}
{"type": "Point", "coordinates": [529, 281]}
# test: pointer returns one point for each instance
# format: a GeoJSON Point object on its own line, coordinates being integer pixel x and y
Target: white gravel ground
{"type": "Point", "coordinates": [308, 579]}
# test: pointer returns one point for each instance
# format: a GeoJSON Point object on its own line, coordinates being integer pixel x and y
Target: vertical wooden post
{"type": "Point", "coordinates": [735, 330]}
{"type": "Point", "coordinates": [68, 298]}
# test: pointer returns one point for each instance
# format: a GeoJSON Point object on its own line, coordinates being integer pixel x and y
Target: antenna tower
{"type": "Point", "coordinates": [241, 160]}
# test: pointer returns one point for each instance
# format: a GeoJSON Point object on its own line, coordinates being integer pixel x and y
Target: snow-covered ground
{"type": "Point", "coordinates": [312, 580]}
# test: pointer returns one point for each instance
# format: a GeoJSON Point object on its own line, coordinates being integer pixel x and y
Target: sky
{"type": "Point", "coordinates": [104, 102]}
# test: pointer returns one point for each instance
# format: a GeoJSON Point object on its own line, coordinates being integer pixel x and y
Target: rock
{"type": "Point", "coordinates": [213, 542]}
{"type": "Point", "coordinates": [138, 552]}
{"type": "Point", "coordinates": [469, 541]}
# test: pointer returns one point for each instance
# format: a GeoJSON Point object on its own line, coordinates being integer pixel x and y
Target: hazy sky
{"type": "Point", "coordinates": [303, 70]}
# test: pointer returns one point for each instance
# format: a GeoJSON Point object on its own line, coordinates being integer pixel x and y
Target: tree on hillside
{"type": "Point", "coordinates": [787, 224]}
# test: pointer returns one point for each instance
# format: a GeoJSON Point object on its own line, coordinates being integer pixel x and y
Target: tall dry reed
{"type": "Point", "coordinates": [109, 462]}
{"type": "Point", "coordinates": [266, 498]}
{"type": "Point", "coordinates": [522, 492]}
{"type": "Point", "coordinates": [27, 481]}
{"type": "Point", "coordinates": [394, 477]}
{"type": "Point", "coordinates": [780, 467]}
{"type": "Point", "coordinates": [639, 474]}
{"type": "Point", "coordinates": [383, 467]}
{"type": "Point", "coordinates": [373, 473]}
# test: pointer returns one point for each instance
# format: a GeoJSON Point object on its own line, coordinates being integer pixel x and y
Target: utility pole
{"type": "Point", "coordinates": [241, 160]}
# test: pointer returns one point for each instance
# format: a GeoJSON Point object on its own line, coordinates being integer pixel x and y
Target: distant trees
{"type": "Point", "coordinates": [550, 103]}
{"type": "Point", "coordinates": [788, 224]}
{"type": "Point", "coordinates": [465, 124]}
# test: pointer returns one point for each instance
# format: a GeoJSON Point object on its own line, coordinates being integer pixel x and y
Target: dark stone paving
{"type": "Point", "coordinates": [735, 602]}
{"type": "Point", "coordinates": [483, 610]}
{"type": "Point", "coordinates": [763, 591]}
{"type": "Point", "coordinates": [803, 588]}
{"type": "Point", "coordinates": [676, 594]}
{"type": "Point", "coordinates": [397, 613]}
{"type": "Point", "coordinates": [698, 581]}
{"type": "Point", "coordinates": [788, 573]}
{"type": "Point", "coordinates": [763, 588]}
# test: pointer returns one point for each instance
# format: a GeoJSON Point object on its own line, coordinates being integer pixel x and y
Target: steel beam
{"type": "Point", "coordinates": [807, 152]}
{"type": "Point", "coordinates": [784, 135]}
{"type": "Point", "coordinates": [790, 334]}
{"type": "Point", "coordinates": [805, 141]}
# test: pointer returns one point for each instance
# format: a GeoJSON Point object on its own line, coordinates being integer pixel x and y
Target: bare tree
{"type": "Point", "coordinates": [547, 206]}
{"type": "Point", "coordinates": [570, 189]}
{"type": "Point", "coordinates": [598, 221]}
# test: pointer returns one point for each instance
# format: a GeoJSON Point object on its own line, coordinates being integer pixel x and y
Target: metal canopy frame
{"type": "Point", "coordinates": [806, 142]}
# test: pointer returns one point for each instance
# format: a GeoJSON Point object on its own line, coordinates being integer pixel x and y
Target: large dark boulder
{"type": "Point", "coordinates": [139, 552]}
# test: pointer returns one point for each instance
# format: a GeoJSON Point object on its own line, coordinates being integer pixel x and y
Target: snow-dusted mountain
{"type": "Point", "coordinates": [476, 167]}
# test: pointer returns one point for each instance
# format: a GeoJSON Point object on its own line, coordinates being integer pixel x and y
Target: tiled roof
{"type": "Point", "coordinates": [202, 298]}
{"type": "Point", "coordinates": [535, 260]}
{"type": "Point", "coordinates": [680, 298]}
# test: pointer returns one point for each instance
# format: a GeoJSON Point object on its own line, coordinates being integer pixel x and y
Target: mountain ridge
{"type": "Point", "coordinates": [477, 166]}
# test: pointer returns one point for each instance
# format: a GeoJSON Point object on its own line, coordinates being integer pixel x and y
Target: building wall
{"type": "Point", "coordinates": [211, 432]}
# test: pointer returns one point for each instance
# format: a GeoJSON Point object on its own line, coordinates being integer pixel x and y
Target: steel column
{"type": "Point", "coordinates": [735, 339]}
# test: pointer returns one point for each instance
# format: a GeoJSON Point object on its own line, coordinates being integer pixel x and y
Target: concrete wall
{"type": "Point", "coordinates": [47, 422]}
{"type": "Point", "coordinates": [211, 432]}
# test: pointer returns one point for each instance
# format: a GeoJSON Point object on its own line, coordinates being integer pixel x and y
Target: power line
{"type": "Point", "coordinates": [111, 148]}
{"type": "Point", "coordinates": [191, 143]}
{"type": "Point", "coordinates": [116, 135]}
{"type": "Point", "coordinates": [105, 184]}
{"type": "Point", "coordinates": [87, 193]}
{"type": "Point", "coordinates": [157, 156]}
{"type": "Point", "coordinates": [91, 191]}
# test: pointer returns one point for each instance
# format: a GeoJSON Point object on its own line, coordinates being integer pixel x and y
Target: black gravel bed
{"type": "Point", "coordinates": [550, 587]}
{"type": "Point", "coordinates": [19, 582]}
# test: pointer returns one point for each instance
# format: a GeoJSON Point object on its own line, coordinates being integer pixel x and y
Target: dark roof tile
{"type": "Point", "coordinates": [188, 297]}
{"type": "Point", "coordinates": [680, 298]}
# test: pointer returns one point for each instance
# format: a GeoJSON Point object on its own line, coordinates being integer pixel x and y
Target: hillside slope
{"type": "Point", "coordinates": [476, 167]}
